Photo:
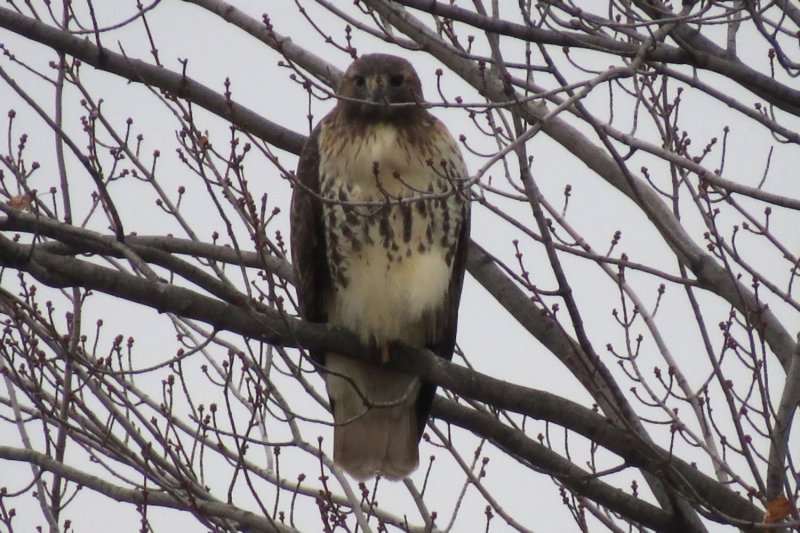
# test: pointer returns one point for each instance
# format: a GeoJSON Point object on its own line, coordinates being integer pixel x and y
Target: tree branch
{"type": "Point", "coordinates": [152, 75]}
{"type": "Point", "coordinates": [245, 519]}
{"type": "Point", "coordinates": [696, 50]}
{"type": "Point", "coordinates": [277, 328]}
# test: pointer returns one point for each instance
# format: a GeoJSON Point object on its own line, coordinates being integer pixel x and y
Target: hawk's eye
{"type": "Point", "coordinates": [360, 81]}
{"type": "Point", "coordinates": [396, 80]}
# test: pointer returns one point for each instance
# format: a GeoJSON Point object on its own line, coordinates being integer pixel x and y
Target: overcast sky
{"type": "Point", "coordinates": [494, 343]}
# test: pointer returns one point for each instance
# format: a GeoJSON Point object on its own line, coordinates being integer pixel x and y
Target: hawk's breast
{"type": "Point", "coordinates": [392, 217]}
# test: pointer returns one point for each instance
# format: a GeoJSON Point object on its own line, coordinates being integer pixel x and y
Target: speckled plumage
{"type": "Point", "coordinates": [380, 227]}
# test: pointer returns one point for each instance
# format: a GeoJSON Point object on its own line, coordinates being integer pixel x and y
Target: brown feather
{"type": "Point", "coordinates": [312, 276]}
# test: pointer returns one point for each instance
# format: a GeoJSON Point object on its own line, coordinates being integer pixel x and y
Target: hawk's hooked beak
{"type": "Point", "coordinates": [376, 87]}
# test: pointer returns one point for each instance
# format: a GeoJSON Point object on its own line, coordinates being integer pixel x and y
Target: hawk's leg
{"type": "Point", "coordinates": [385, 353]}
{"type": "Point", "coordinates": [378, 353]}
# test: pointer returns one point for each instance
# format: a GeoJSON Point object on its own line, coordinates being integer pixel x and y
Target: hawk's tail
{"type": "Point", "coordinates": [381, 441]}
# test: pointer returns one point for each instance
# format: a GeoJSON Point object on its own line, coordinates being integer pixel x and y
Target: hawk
{"type": "Point", "coordinates": [380, 229]}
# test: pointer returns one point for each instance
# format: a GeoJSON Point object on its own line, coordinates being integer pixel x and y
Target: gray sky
{"type": "Point", "coordinates": [494, 343]}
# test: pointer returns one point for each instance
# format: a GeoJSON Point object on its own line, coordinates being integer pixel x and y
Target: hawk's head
{"type": "Point", "coordinates": [374, 82]}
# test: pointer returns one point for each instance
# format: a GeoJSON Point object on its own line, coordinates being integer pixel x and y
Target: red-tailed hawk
{"type": "Point", "coordinates": [380, 228]}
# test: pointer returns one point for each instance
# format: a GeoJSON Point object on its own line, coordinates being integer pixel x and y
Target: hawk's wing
{"type": "Point", "coordinates": [447, 318]}
{"type": "Point", "coordinates": [308, 238]}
